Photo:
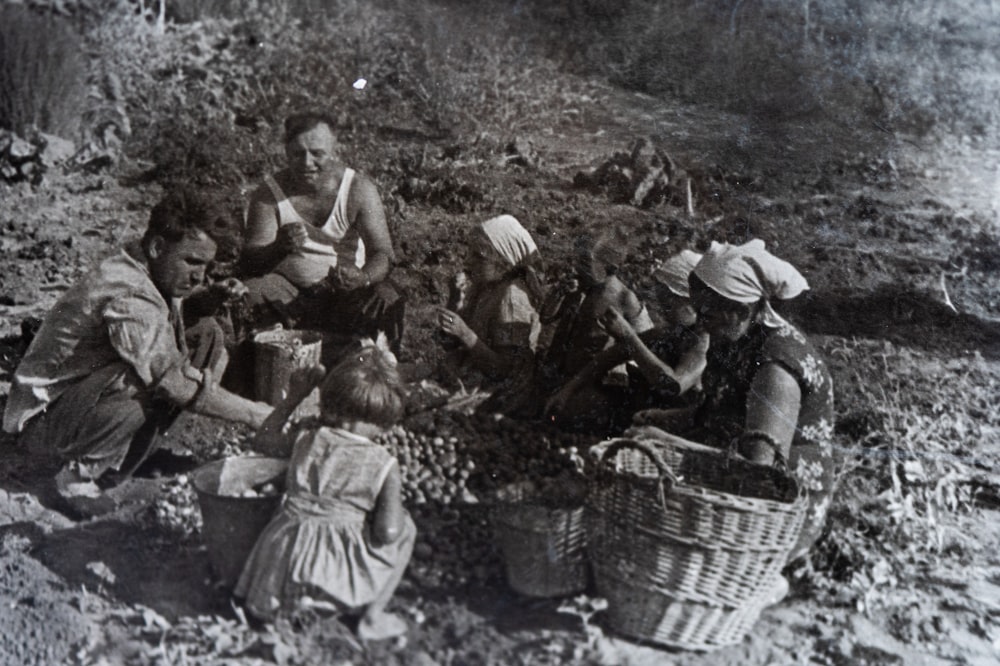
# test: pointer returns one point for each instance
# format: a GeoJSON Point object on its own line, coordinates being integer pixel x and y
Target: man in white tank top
{"type": "Point", "coordinates": [317, 242]}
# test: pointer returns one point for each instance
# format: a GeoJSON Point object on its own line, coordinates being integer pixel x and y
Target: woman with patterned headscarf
{"type": "Point", "coordinates": [498, 326]}
{"type": "Point", "coordinates": [768, 393]}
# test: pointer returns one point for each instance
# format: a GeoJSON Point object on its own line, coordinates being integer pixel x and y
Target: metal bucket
{"type": "Point", "coordinates": [278, 353]}
{"type": "Point", "coordinates": [230, 523]}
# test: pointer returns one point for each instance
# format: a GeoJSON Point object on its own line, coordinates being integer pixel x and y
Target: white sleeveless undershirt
{"type": "Point", "coordinates": [337, 242]}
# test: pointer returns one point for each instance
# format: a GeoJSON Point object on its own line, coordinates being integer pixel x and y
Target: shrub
{"type": "Point", "coordinates": [42, 72]}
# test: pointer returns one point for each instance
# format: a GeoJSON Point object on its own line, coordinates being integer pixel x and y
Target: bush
{"type": "Point", "coordinates": [42, 72]}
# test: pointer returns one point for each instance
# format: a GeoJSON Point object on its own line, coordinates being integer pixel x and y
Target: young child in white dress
{"type": "Point", "coordinates": [342, 538]}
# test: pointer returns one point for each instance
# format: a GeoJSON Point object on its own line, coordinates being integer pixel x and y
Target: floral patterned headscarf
{"type": "Point", "coordinates": [748, 273]}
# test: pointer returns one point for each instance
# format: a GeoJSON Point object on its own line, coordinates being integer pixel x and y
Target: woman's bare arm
{"type": "Point", "coordinates": [656, 372]}
{"type": "Point", "coordinates": [772, 414]}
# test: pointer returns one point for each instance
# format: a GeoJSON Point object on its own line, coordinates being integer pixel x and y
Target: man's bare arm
{"type": "Point", "coordinates": [373, 229]}
{"type": "Point", "coordinates": [261, 249]}
{"type": "Point", "coordinates": [208, 398]}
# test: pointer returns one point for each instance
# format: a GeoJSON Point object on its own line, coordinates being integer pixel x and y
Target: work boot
{"type": "Point", "coordinates": [82, 495]}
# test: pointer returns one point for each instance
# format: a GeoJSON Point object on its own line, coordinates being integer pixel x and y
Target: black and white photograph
{"type": "Point", "coordinates": [500, 332]}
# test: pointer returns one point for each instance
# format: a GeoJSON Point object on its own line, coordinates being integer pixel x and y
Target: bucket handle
{"type": "Point", "coordinates": [666, 477]}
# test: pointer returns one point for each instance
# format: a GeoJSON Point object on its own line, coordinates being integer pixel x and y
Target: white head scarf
{"type": "Point", "coordinates": [748, 273]}
{"type": "Point", "coordinates": [673, 273]}
{"type": "Point", "coordinates": [509, 238]}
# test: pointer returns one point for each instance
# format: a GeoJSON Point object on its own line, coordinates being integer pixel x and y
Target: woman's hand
{"type": "Point", "coordinates": [454, 325]}
{"type": "Point", "coordinates": [302, 382]}
{"type": "Point", "coordinates": [556, 404]}
{"type": "Point", "coordinates": [670, 420]}
{"type": "Point", "coordinates": [615, 324]}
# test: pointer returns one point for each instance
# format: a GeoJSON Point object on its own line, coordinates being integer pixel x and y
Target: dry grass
{"type": "Point", "coordinates": [916, 433]}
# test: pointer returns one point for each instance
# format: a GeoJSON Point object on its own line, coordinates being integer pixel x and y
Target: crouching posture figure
{"type": "Point", "coordinates": [112, 365]}
{"type": "Point", "coordinates": [342, 538]}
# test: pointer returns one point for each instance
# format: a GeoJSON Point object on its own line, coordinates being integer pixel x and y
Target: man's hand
{"type": "Point", "coordinates": [382, 298]}
{"type": "Point", "coordinates": [454, 325]}
{"type": "Point", "coordinates": [348, 278]}
{"type": "Point", "coordinates": [228, 290]}
{"type": "Point", "coordinates": [291, 237]}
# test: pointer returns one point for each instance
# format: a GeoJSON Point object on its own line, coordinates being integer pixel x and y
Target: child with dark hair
{"type": "Point", "coordinates": [578, 335]}
{"type": "Point", "coordinates": [342, 538]}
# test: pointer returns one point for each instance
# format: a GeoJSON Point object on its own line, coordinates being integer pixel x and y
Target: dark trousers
{"type": "Point", "coordinates": [273, 299]}
{"type": "Point", "coordinates": [110, 421]}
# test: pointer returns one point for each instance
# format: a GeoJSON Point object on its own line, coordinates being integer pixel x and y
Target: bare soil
{"type": "Point", "coordinates": [899, 245]}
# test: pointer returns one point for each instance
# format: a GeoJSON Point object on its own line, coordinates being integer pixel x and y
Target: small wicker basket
{"type": "Point", "coordinates": [686, 542]}
{"type": "Point", "coordinates": [543, 546]}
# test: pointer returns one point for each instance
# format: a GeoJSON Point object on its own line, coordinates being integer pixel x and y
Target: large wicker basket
{"type": "Point", "coordinates": [686, 542]}
{"type": "Point", "coordinates": [543, 546]}
{"type": "Point", "coordinates": [646, 613]}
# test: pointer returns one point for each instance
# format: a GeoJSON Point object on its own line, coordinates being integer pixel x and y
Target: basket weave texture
{"type": "Point", "coordinates": [543, 547]}
{"type": "Point", "coordinates": [685, 543]}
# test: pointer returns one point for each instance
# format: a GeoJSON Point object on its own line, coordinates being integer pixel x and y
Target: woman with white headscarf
{"type": "Point", "coordinates": [498, 327]}
{"type": "Point", "coordinates": [768, 394]}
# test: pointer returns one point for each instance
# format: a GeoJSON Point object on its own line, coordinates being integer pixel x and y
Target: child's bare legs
{"type": "Point", "coordinates": [376, 624]}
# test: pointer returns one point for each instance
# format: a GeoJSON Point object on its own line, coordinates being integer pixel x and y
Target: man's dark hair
{"type": "Point", "coordinates": [184, 212]}
{"type": "Point", "coordinates": [299, 123]}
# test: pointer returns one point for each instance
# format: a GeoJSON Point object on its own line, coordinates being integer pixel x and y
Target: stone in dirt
{"type": "Point", "coordinates": [521, 152]}
{"type": "Point", "coordinates": [25, 507]}
{"type": "Point", "coordinates": [56, 150]}
{"type": "Point", "coordinates": [21, 151]}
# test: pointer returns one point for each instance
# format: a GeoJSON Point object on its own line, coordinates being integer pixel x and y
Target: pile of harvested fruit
{"type": "Point", "coordinates": [454, 466]}
{"type": "Point", "coordinates": [449, 456]}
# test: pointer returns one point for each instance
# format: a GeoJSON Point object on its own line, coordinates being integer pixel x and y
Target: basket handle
{"type": "Point", "coordinates": [660, 435]}
{"type": "Point", "coordinates": [665, 473]}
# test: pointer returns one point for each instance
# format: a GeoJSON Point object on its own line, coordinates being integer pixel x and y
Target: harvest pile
{"type": "Point", "coordinates": [175, 509]}
{"type": "Point", "coordinates": [451, 457]}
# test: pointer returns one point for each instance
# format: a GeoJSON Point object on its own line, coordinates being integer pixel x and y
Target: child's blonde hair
{"type": "Point", "coordinates": [364, 386]}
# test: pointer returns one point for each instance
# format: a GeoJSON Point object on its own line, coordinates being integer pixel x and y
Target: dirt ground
{"type": "Point", "coordinates": [900, 246]}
